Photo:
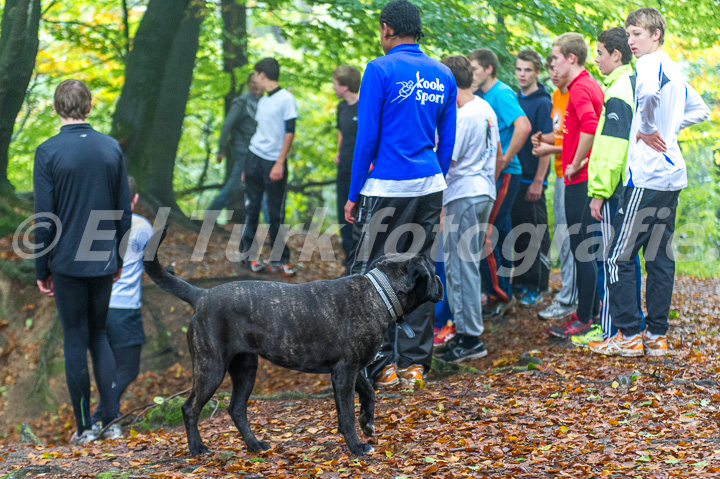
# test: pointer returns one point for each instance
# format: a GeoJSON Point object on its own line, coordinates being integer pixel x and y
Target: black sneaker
{"type": "Point", "coordinates": [443, 348]}
{"type": "Point", "coordinates": [456, 352]}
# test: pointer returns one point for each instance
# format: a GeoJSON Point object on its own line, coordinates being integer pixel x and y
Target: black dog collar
{"type": "Point", "coordinates": [382, 284]}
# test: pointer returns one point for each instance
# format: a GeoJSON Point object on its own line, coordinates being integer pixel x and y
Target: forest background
{"type": "Point", "coordinates": [163, 73]}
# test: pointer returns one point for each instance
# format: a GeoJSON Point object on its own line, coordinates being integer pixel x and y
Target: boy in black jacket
{"type": "Point", "coordinates": [82, 208]}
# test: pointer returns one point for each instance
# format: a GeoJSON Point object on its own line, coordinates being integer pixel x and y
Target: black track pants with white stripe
{"type": "Point", "coordinates": [645, 219]}
{"type": "Point", "coordinates": [398, 225]}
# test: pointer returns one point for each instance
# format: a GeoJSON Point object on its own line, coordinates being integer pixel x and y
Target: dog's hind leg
{"type": "Point", "coordinates": [343, 381]}
{"type": "Point", "coordinates": [208, 373]}
{"type": "Point", "coordinates": [367, 404]}
{"type": "Point", "coordinates": [242, 372]}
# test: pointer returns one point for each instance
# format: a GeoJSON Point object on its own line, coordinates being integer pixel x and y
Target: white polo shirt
{"type": "Point", "coordinates": [272, 113]}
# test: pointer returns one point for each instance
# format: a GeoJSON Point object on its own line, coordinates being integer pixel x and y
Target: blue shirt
{"type": "Point", "coordinates": [405, 98]}
{"type": "Point", "coordinates": [503, 100]}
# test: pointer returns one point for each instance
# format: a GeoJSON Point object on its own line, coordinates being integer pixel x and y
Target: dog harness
{"type": "Point", "coordinates": [382, 284]}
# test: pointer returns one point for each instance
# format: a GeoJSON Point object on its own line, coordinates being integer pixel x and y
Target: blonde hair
{"type": "Point", "coordinates": [649, 19]}
{"type": "Point", "coordinates": [572, 43]}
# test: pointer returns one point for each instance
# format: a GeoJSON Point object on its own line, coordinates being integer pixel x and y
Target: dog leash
{"type": "Point", "coordinates": [382, 284]}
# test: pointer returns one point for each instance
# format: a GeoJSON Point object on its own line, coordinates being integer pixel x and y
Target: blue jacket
{"type": "Point", "coordinates": [405, 97]}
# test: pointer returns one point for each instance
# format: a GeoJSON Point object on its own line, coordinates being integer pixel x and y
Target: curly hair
{"type": "Point", "coordinates": [404, 18]}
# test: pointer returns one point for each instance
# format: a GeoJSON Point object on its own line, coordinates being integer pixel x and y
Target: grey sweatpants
{"type": "Point", "coordinates": [464, 226]}
{"type": "Point", "coordinates": [568, 293]}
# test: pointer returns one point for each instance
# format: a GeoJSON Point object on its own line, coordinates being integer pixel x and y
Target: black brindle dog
{"type": "Point", "coordinates": [330, 326]}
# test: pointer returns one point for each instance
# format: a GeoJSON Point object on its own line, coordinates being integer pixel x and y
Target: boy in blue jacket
{"type": "Point", "coordinates": [405, 98]}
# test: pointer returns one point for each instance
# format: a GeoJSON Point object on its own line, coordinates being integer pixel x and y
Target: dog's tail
{"type": "Point", "coordinates": [162, 278]}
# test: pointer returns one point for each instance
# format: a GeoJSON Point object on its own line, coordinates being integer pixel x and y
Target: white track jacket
{"type": "Point", "coordinates": [664, 103]}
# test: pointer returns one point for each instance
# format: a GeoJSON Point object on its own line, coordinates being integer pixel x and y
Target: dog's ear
{"type": "Point", "coordinates": [381, 261]}
{"type": "Point", "coordinates": [418, 276]}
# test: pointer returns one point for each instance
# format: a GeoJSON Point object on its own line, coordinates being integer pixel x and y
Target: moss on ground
{"type": "Point", "coordinates": [169, 414]}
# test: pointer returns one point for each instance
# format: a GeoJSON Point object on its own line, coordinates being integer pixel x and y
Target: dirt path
{"type": "Point", "coordinates": [573, 415]}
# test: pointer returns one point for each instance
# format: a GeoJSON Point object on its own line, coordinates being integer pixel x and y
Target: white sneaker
{"type": "Point", "coordinates": [113, 432]}
{"type": "Point", "coordinates": [557, 310]}
{"type": "Point", "coordinates": [88, 435]}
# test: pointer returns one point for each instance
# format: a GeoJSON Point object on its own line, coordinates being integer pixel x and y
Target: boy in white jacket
{"type": "Point", "coordinates": [654, 175]}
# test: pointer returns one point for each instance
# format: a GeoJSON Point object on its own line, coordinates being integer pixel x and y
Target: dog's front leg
{"type": "Point", "coordinates": [367, 404]}
{"type": "Point", "coordinates": [243, 369]}
{"type": "Point", "coordinates": [343, 381]}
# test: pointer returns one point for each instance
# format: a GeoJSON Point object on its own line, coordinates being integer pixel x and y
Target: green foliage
{"type": "Point", "coordinates": [9, 219]}
{"type": "Point", "coordinates": [697, 231]}
{"type": "Point", "coordinates": [86, 39]}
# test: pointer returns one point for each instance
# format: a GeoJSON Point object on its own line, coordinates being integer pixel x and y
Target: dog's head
{"type": "Point", "coordinates": [413, 278]}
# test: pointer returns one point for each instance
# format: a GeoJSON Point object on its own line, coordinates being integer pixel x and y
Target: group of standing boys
{"type": "Point", "coordinates": [615, 154]}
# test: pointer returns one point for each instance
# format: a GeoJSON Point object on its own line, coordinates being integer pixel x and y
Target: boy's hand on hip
{"type": "Point", "coordinates": [573, 169]}
{"type": "Point", "coordinates": [653, 140]}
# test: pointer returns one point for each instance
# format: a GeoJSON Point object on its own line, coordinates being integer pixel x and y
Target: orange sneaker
{"type": "Point", "coordinates": [445, 334]}
{"type": "Point", "coordinates": [619, 345]}
{"type": "Point", "coordinates": [411, 375]}
{"type": "Point", "coordinates": [387, 377]}
{"type": "Point", "coordinates": [655, 347]}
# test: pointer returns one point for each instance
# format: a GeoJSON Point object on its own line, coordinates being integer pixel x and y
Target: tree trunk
{"type": "Point", "coordinates": [149, 116]}
{"type": "Point", "coordinates": [234, 56]}
{"type": "Point", "coordinates": [18, 48]}
{"type": "Point", "coordinates": [234, 43]}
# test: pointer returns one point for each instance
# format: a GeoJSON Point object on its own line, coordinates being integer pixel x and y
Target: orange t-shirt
{"type": "Point", "coordinates": [560, 102]}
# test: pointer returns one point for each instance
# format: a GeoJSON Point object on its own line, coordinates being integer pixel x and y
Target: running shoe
{"type": "Point", "coordinates": [557, 310]}
{"type": "Point", "coordinates": [573, 326]}
{"type": "Point", "coordinates": [619, 345]}
{"type": "Point", "coordinates": [594, 334]}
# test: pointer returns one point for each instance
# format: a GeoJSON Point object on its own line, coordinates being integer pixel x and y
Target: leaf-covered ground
{"type": "Point", "coordinates": [574, 415]}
